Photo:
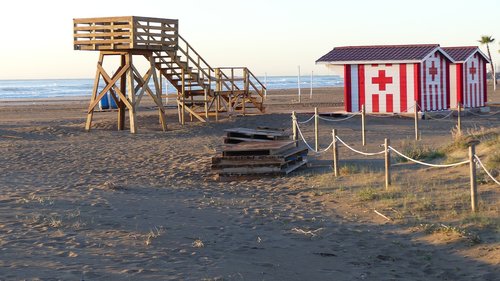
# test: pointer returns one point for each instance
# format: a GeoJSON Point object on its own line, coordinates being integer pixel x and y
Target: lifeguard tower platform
{"type": "Point", "coordinates": [202, 91]}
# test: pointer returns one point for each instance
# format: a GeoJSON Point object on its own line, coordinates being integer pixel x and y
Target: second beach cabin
{"type": "Point", "coordinates": [467, 77]}
{"type": "Point", "coordinates": [392, 78]}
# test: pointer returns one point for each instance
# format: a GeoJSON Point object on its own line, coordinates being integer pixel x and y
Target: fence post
{"type": "Point", "coordinates": [459, 121]}
{"type": "Point", "coordinates": [473, 184]}
{"type": "Point", "coordinates": [335, 153]}
{"type": "Point", "coordinates": [316, 129]}
{"type": "Point", "coordinates": [294, 126]}
{"type": "Point", "coordinates": [387, 163]}
{"type": "Point", "coordinates": [363, 124]}
{"type": "Point", "coordinates": [416, 121]}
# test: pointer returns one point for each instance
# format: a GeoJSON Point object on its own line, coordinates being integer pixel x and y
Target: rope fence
{"type": "Point", "coordinates": [481, 115]}
{"type": "Point", "coordinates": [485, 170]}
{"type": "Point", "coordinates": [337, 120]}
{"type": "Point", "coordinates": [416, 109]}
{"type": "Point", "coordinates": [360, 152]}
{"type": "Point", "coordinates": [429, 164]}
{"type": "Point", "coordinates": [441, 118]}
{"type": "Point", "coordinates": [473, 159]}
{"type": "Point", "coordinates": [307, 121]}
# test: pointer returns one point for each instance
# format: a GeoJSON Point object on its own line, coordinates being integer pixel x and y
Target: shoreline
{"type": "Point", "coordinates": [50, 100]}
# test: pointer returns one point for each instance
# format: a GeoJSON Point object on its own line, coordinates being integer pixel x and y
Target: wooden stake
{"type": "Point", "coordinates": [473, 183]}
{"type": "Point", "coordinates": [335, 153]}
{"type": "Point", "coordinates": [416, 121]}
{"type": "Point", "coordinates": [387, 164]}
{"type": "Point", "coordinates": [363, 124]}
{"type": "Point", "coordinates": [294, 126]}
{"type": "Point", "coordinates": [316, 129]}
{"type": "Point", "coordinates": [459, 121]}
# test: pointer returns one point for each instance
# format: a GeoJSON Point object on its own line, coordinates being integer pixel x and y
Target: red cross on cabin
{"type": "Point", "coordinates": [472, 70]}
{"type": "Point", "coordinates": [433, 71]}
{"type": "Point", "coordinates": [381, 80]}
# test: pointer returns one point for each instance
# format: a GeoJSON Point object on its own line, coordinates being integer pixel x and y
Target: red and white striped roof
{"type": "Point", "coordinates": [380, 54]}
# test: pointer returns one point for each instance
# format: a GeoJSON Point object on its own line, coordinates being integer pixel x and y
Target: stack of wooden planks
{"type": "Point", "coordinates": [251, 153]}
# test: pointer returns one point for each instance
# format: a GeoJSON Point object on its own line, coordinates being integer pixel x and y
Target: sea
{"type": "Point", "coordinates": [70, 88]}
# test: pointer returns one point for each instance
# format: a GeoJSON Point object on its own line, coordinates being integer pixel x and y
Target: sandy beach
{"type": "Point", "coordinates": [109, 205]}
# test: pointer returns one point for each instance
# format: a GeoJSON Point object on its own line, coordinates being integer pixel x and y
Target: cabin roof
{"type": "Point", "coordinates": [463, 53]}
{"type": "Point", "coordinates": [381, 53]}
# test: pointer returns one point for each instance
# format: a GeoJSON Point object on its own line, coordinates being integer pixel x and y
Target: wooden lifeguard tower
{"type": "Point", "coordinates": [202, 91]}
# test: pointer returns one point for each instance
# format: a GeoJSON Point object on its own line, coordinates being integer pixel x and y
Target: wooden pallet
{"type": "Point", "coordinates": [258, 148]}
{"type": "Point", "coordinates": [237, 135]}
{"type": "Point", "coordinates": [253, 153]}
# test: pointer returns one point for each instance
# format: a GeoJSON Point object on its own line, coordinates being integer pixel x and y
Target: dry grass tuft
{"type": "Point", "coordinates": [418, 151]}
{"type": "Point", "coordinates": [153, 234]}
{"type": "Point", "coordinates": [198, 244]}
{"type": "Point", "coordinates": [110, 185]}
{"type": "Point", "coordinates": [473, 238]}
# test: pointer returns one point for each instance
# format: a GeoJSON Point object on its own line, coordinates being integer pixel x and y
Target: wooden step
{"type": "Point", "coordinates": [257, 148]}
{"type": "Point", "coordinates": [245, 134]}
{"type": "Point", "coordinates": [289, 155]}
{"type": "Point", "coordinates": [196, 92]}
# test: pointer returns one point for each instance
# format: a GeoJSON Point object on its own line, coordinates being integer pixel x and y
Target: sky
{"type": "Point", "coordinates": [270, 37]}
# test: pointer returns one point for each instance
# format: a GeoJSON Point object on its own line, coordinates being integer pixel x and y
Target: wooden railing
{"type": "Point", "coordinates": [239, 78]}
{"type": "Point", "coordinates": [194, 59]}
{"type": "Point", "coordinates": [125, 33]}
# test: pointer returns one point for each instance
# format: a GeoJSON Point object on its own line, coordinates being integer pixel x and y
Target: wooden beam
{"type": "Point", "coordinates": [110, 83]}
{"type": "Point", "coordinates": [192, 112]}
{"type": "Point", "coordinates": [131, 95]}
{"type": "Point", "coordinates": [121, 102]}
{"type": "Point", "coordinates": [157, 98]}
{"type": "Point", "coordinates": [90, 113]}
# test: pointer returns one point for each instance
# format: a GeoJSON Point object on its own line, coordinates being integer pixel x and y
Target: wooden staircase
{"type": "Point", "coordinates": [204, 91]}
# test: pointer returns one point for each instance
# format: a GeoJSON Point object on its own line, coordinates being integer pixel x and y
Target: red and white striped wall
{"type": "Point", "coordinates": [435, 92]}
{"type": "Point", "coordinates": [380, 87]}
{"type": "Point", "coordinates": [468, 82]}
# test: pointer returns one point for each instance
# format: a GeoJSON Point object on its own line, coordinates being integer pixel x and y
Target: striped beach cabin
{"type": "Point", "coordinates": [392, 78]}
{"type": "Point", "coordinates": [467, 77]}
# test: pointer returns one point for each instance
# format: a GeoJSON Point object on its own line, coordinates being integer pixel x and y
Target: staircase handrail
{"type": "Point", "coordinates": [256, 79]}
{"type": "Point", "coordinates": [227, 78]}
{"type": "Point", "coordinates": [263, 88]}
{"type": "Point", "coordinates": [196, 53]}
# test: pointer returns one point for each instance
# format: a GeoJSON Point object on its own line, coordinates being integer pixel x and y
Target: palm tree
{"type": "Point", "coordinates": [486, 40]}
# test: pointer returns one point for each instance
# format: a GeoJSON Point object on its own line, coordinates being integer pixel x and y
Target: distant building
{"type": "Point", "coordinates": [467, 76]}
{"type": "Point", "coordinates": [393, 78]}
